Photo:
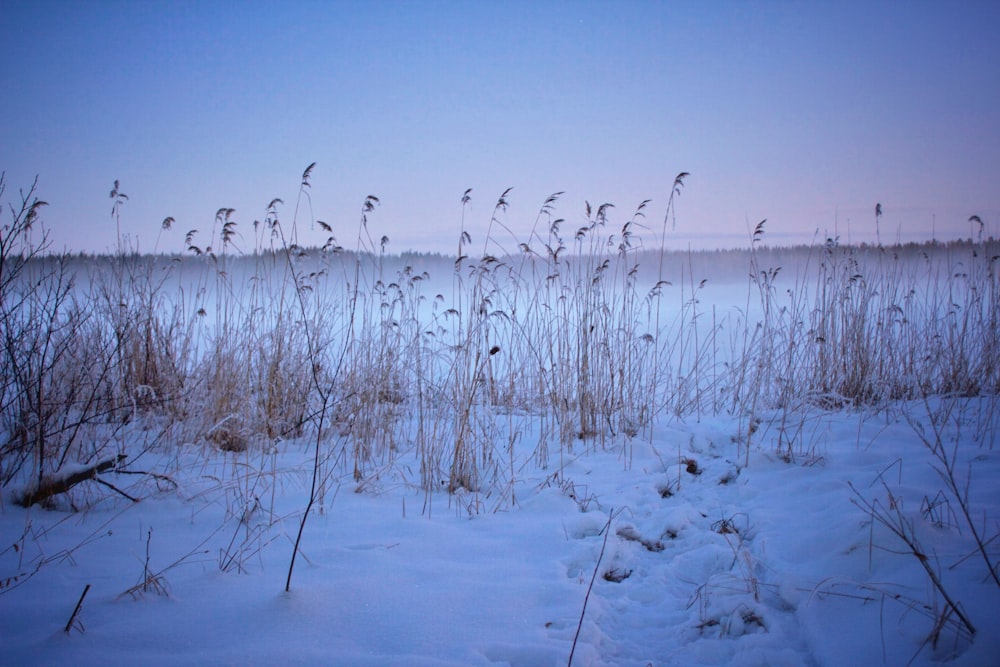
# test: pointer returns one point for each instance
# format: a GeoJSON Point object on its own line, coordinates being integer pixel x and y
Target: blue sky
{"type": "Point", "coordinates": [804, 113]}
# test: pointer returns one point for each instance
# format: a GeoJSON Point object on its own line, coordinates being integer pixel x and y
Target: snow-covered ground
{"type": "Point", "coordinates": [674, 550]}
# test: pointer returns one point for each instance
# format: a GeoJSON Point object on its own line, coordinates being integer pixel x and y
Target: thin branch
{"type": "Point", "coordinates": [586, 598]}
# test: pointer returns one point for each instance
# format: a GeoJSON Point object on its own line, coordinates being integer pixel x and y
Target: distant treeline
{"type": "Point", "coordinates": [912, 248]}
{"type": "Point", "coordinates": [720, 265]}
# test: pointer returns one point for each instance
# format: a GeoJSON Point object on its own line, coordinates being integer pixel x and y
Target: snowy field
{"type": "Point", "coordinates": [773, 563]}
{"type": "Point", "coordinates": [576, 454]}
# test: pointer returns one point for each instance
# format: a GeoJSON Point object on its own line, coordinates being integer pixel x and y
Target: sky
{"type": "Point", "coordinates": [803, 113]}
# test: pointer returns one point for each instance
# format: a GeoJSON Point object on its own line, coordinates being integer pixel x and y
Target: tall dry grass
{"type": "Point", "coordinates": [578, 334]}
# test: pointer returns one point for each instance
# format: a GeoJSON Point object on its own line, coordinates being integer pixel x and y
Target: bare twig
{"type": "Point", "coordinates": [901, 528]}
{"type": "Point", "coordinates": [586, 598]}
{"type": "Point", "coordinates": [76, 610]}
{"type": "Point", "coordinates": [948, 473]}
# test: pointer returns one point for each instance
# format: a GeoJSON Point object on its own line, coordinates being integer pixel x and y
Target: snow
{"type": "Point", "coordinates": [730, 561]}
